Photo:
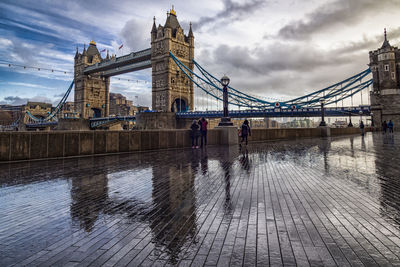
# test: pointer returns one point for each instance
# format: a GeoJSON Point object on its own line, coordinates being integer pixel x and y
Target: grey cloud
{"type": "Point", "coordinates": [281, 68]}
{"type": "Point", "coordinates": [16, 100]}
{"type": "Point", "coordinates": [136, 35]}
{"type": "Point", "coordinates": [340, 12]}
{"type": "Point", "coordinates": [232, 10]}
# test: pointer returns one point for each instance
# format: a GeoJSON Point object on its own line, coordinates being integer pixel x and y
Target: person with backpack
{"type": "Point", "coordinates": [390, 126]}
{"type": "Point", "coordinates": [245, 131]}
{"type": "Point", "coordinates": [194, 134]}
{"type": "Point", "coordinates": [203, 131]}
{"type": "Point", "coordinates": [362, 128]}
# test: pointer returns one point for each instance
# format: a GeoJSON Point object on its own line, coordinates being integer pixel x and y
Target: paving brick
{"type": "Point", "coordinates": [308, 202]}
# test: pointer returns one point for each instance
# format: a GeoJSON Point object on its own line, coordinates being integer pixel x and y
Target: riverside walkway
{"type": "Point", "coordinates": [305, 202]}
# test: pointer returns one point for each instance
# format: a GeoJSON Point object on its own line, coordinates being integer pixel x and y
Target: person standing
{"type": "Point", "coordinates": [384, 127]}
{"type": "Point", "coordinates": [203, 131]}
{"type": "Point", "coordinates": [390, 126]}
{"type": "Point", "coordinates": [245, 131]}
{"type": "Point", "coordinates": [194, 133]}
{"type": "Point", "coordinates": [362, 128]}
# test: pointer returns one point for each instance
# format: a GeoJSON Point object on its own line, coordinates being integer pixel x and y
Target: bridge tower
{"type": "Point", "coordinates": [385, 96]}
{"type": "Point", "coordinates": [172, 90]}
{"type": "Point", "coordinates": [91, 91]}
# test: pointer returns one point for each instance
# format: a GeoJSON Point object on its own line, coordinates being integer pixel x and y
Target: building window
{"type": "Point", "coordinates": [386, 67]}
{"type": "Point", "coordinates": [393, 76]}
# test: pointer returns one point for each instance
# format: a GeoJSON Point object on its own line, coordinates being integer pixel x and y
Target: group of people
{"type": "Point", "coordinates": [199, 129]}
{"type": "Point", "coordinates": [387, 126]}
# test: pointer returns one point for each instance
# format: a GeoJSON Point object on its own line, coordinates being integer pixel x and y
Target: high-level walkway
{"type": "Point", "coordinates": [301, 202]}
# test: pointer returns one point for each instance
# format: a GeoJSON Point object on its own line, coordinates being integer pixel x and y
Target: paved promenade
{"type": "Point", "coordinates": [310, 202]}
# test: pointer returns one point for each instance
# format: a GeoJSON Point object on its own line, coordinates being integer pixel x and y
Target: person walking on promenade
{"type": "Point", "coordinates": [390, 126]}
{"type": "Point", "coordinates": [194, 134]}
{"type": "Point", "coordinates": [203, 131]}
{"type": "Point", "coordinates": [245, 131]}
{"type": "Point", "coordinates": [384, 127]}
{"type": "Point", "coordinates": [362, 128]}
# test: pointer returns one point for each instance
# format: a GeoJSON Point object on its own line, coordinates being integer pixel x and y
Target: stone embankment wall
{"type": "Point", "coordinates": [57, 144]}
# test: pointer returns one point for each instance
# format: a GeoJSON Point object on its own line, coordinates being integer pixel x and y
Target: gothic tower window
{"type": "Point", "coordinates": [386, 67]}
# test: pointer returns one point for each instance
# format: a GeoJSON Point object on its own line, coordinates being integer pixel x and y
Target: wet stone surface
{"type": "Point", "coordinates": [307, 202]}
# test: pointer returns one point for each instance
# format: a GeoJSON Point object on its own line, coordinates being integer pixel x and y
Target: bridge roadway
{"type": "Point", "coordinates": [278, 112]}
{"type": "Point", "coordinates": [314, 202]}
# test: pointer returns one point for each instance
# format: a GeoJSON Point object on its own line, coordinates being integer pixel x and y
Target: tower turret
{"type": "Point", "coordinates": [172, 90]}
{"type": "Point", "coordinates": [385, 96]}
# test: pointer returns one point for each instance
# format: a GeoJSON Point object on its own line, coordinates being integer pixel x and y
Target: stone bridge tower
{"type": "Point", "coordinates": [385, 96]}
{"type": "Point", "coordinates": [91, 91]}
{"type": "Point", "coordinates": [172, 90]}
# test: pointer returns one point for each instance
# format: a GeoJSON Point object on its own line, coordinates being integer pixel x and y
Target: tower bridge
{"type": "Point", "coordinates": [175, 75]}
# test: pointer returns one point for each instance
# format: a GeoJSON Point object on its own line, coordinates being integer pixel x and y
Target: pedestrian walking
{"type": "Point", "coordinates": [194, 134]}
{"type": "Point", "coordinates": [362, 128]}
{"type": "Point", "coordinates": [384, 126]}
{"type": "Point", "coordinates": [203, 123]}
{"type": "Point", "coordinates": [390, 126]}
{"type": "Point", "coordinates": [245, 132]}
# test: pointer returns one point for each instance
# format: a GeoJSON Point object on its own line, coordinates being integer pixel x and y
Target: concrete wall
{"type": "Point", "coordinates": [57, 144]}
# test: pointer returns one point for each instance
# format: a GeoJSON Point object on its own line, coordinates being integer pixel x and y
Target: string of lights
{"type": "Point", "coordinates": [39, 68]}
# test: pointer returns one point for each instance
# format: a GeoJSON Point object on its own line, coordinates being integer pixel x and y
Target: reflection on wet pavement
{"type": "Point", "coordinates": [306, 202]}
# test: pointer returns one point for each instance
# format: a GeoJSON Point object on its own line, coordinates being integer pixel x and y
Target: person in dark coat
{"type": "Point", "coordinates": [245, 131]}
{"type": "Point", "coordinates": [194, 134]}
{"type": "Point", "coordinates": [384, 127]}
{"type": "Point", "coordinates": [362, 128]}
{"type": "Point", "coordinates": [203, 131]}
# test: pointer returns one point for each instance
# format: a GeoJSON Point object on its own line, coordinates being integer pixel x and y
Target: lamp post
{"type": "Point", "coordinates": [225, 120]}
{"type": "Point", "coordinates": [360, 112]}
{"type": "Point", "coordinates": [322, 101]}
{"type": "Point", "coordinates": [350, 124]}
{"type": "Point", "coordinates": [372, 120]}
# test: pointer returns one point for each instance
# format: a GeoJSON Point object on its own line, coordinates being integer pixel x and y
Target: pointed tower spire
{"type": "Point", "coordinates": [154, 29]}
{"type": "Point", "coordinates": [386, 43]}
{"type": "Point", "coordinates": [108, 55]}
{"type": "Point", "coordinates": [77, 53]}
{"type": "Point", "coordinates": [190, 30]}
{"type": "Point", "coordinates": [84, 50]}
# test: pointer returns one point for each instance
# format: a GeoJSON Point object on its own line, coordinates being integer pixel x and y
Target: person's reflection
{"type": "Point", "coordinates": [244, 159]}
{"type": "Point", "coordinates": [89, 193]}
{"type": "Point", "coordinates": [352, 146]}
{"type": "Point", "coordinates": [363, 147]}
{"type": "Point", "coordinates": [204, 161]}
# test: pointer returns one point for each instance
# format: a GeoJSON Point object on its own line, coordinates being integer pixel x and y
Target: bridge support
{"type": "Point", "coordinates": [92, 91]}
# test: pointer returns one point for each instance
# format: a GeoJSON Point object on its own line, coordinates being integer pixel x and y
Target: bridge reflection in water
{"type": "Point", "coordinates": [207, 206]}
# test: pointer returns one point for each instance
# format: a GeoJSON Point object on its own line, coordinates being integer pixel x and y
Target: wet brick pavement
{"type": "Point", "coordinates": [307, 202]}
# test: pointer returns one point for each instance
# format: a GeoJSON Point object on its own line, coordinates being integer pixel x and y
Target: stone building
{"type": "Point", "coordinates": [119, 105]}
{"type": "Point", "coordinates": [91, 91]}
{"type": "Point", "coordinates": [37, 109]}
{"type": "Point", "coordinates": [172, 90]}
{"type": "Point", "coordinates": [385, 96]}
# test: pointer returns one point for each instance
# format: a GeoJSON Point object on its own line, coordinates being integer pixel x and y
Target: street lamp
{"type": "Point", "coordinates": [360, 112]}
{"type": "Point", "coordinates": [350, 124]}
{"type": "Point", "coordinates": [372, 120]}
{"type": "Point", "coordinates": [225, 120]}
{"type": "Point", "coordinates": [322, 101]}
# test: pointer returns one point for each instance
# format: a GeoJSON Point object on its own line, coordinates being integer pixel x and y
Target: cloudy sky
{"type": "Point", "coordinates": [271, 48]}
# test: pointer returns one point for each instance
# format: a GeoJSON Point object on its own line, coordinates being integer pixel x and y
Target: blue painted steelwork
{"type": "Point", "coordinates": [332, 94]}
{"type": "Point", "coordinates": [99, 122]}
{"type": "Point", "coordinates": [41, 124]}
{"type": "Point", "coordinates": [52, 115]}
{"type": "Point", "coordinates": [280, 112]}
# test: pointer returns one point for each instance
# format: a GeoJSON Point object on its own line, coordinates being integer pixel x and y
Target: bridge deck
{"type": "Point", "coordinates": [314, 202]}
